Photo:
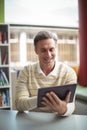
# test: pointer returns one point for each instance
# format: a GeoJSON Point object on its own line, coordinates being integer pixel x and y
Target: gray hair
{"type": "Point", "coordinates": [44, 35]}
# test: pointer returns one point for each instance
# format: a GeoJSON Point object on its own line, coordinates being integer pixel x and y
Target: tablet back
{"type": "Point", "coordinates": [61, 91]}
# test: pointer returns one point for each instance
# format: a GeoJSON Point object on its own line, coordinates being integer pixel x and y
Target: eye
{"type": "Point", "coordinates": [43, 50]}
{"type": "Point", "coordinates": [52, 49]}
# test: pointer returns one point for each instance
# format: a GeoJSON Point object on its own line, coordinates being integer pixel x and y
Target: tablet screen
{"type": "Point", "coordinates": [61, 91]}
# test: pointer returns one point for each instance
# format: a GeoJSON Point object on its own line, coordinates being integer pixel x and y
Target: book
{"type": "Point", "coordinates": [0, 99]}
{"type": "Point", "coordinates": [7, 97]}
{"type": "Point", "coordinates": [3, 77]}
{"type": "Point", "coordinates": [0, 57]}
{"type": "Point", "coordinates": [5, 38]}
{"type": "Point", "coordinates": [60, 91]}
{"type": "Point", "coordinates": [5, 59]}
{"type": "Point", "coordinates": [4, 99]}
{"type": "Point", "coordinates": [0, 37]}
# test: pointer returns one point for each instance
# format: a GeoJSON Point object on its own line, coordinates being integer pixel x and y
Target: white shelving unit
{"type": "Point", "coordinates": [5, 75]}
{"type": "Point", "coordinates": [68, 47]}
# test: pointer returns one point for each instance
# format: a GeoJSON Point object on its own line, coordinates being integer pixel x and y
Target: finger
{"type": "Point", "coordinates": [46, 102]}
{"type": "Point", "coordinates": [50, 98]}
{"type": "Point", "coordinates": [55, 97]}
{"type": "Point", "coordinates": [67, 97]}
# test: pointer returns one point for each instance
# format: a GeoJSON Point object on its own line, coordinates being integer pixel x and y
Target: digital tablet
{"type": "Point", "coordinates": [61, 91]}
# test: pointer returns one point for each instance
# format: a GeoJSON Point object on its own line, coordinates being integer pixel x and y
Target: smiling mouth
{"type": "Point", "coordinates": [48, 59]}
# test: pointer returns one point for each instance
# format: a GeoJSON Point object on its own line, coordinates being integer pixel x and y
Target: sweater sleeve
{"type": "Point", "coordinates": [23, 99]}
{"type": "Point", "coordinates": [72, 78]}
{"type": "Point", "coordinates": [70, 109]}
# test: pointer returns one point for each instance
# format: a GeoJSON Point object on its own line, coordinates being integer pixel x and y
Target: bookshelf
{"type": "Point", "coordinates": [5, 76]}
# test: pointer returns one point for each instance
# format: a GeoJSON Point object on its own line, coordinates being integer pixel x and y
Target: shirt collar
{"type": "Point", "coordinates": [54, 72]}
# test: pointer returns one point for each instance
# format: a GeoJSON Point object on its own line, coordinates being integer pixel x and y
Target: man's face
{"type": "Point", "coordinates": [46, 51]}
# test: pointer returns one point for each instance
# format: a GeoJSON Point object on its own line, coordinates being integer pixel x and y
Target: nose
{"type": "Point", "coordinates": [48, 53]}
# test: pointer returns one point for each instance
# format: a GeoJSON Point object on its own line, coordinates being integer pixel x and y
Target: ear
{"type": "Point", "coordinates": [35, 49]}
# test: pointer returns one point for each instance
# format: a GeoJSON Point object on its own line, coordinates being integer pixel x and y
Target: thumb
{"type": "Point", "coordinates": [67, 97]}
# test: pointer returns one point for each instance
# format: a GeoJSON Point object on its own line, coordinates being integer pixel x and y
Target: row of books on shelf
{"type": "Point", "coordinates": [3, 78]}
{"type": "Point", "coordinates": [4, 58]}
{"type": "Point", "coordinates": [3, 37]}
{"type": "Point", "coordinates": [4, 98]}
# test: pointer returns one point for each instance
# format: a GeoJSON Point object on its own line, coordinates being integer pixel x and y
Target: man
{"type": "Point", "coordinates": [46, 72]}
